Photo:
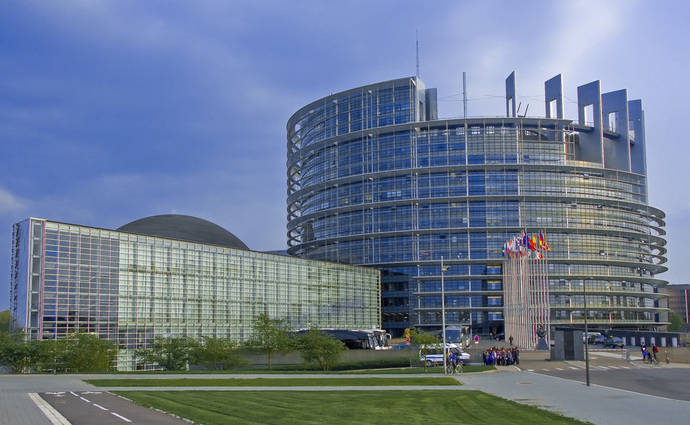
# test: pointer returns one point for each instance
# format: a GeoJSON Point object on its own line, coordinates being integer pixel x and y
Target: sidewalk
{"type": "Point", "coordinates": [595, 404]}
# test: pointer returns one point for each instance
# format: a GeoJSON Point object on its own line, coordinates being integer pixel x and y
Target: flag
{"type": "Point", "coordinates": [546, 245]}
{"type": "Point", "coordinates": [533, 243]}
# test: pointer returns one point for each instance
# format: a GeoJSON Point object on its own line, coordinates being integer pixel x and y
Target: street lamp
{"type": "Point", "coordinates": [443, 315]}
{"type": "Point", "coordinates": [584, 296]}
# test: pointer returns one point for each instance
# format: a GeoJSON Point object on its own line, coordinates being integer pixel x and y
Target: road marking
{"type": "Point", "coordinates": [625, 367]}
{"type": "Point", "coordinates": [121, 417]}
{"type": "Point", "coordinates": [100, 407]}
{"type": "Point", "coordinates": [74, 394]}
{"type": "Point", "coordinates": [558, 368]}
{"type": "Point", "coordinates": [613, 367]}
{"type": "Point", "coordinates": [603, 367]}
{"type": "Point", "coordinates": [530, 370]}
{"type": "Point", "coordinates": [573, 368]}
{"type": "Point", "coordinates": [85, 399]}
{"type": "Point", "coordinates": [53, 415]}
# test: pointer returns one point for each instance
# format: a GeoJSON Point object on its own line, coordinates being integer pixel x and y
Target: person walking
{"type": "Point", "coordinates": [510, 339]}
{"type": "Point", "coordinates": [643, 348]}
{"type": "Point", "coordinates": [655, 350]}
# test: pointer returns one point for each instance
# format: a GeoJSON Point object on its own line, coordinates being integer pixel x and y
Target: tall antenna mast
{"type": "Point", "coordinates": [464, 94]}
{"type": "Point", "coordinates": [416, 36]}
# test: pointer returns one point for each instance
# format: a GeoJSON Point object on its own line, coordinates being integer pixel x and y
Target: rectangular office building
{"type": "Point", "coordinates": [130, 288]}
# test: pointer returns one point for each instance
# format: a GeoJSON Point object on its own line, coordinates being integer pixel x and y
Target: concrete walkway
{"type": "Point", "coordinates": [595, 404]}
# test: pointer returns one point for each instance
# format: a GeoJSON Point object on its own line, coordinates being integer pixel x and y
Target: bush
{"type": "Point", "coordinates": [320, 348]}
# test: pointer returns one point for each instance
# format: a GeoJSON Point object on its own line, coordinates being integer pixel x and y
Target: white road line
{"type": "Point", "coordinates": [558, 368]}
{"type": "Point", "coordinates": [121, 417]}
{"type": "Point", "coordinates": [100, 407]}
{"type": "Point", "coordinates": [74, 394]}
{"type": "Point", "coordinates": [573, 368]}
{"type": "Point", "coordinates": [603, 367]}
{"type": "Point", "coordinates": [625, 367]}
{"type": "Point", "coordinates": [88, 401]}
{"type": "Point", "coordinates": [613, 367]}
{"type": "Point", "coordinates": [530, 370]}
{"type": "Point", "coordinates": [53, 415]}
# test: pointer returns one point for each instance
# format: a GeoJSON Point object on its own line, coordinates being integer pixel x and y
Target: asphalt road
{"type": "Point", "coordinates": [101, 408]}
{"type": "Point", "coordinates": [673, 383]}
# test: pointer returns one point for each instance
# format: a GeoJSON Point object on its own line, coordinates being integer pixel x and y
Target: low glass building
{"type": "Point", "coordinates": [375, 178]}
{"type": "Point", "coordinates": [173, 276]}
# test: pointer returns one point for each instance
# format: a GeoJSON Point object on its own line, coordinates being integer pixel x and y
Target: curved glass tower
{"type": "Point", "coordinates": [376, 179]}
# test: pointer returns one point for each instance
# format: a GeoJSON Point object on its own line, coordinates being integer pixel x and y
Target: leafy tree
{"type": "Point", "coordinates": [323, 349]}
{"type": "Point", "coordinates": [424, 340]}
{"type": "Point", "coordinates": [217, 353]}
{"type": "Point", "coordinates": [676, 322]}
{"type": "Point", "coordinates": [86, 352]}
{"type": "Point", "coordinates": [170, 353]}
{"type": "Point", "coordinates": [4, 322]}
{"type": "Point", "coordinates": [17, 354]}
{"type": "Point", "coordinates": [270, 335]}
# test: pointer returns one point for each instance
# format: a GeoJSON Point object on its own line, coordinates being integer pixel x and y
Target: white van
{"type": "Point", "coordinates": [434, 354]}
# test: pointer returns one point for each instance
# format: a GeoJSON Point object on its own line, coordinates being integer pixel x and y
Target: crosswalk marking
{"type": "Point", "coordinates": [530, 370]}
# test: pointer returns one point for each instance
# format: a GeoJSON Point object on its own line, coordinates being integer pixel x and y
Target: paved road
{"type": "Point", "coordinates": [596, 404]}
{"type": "Point", "coordinates": [101, 408]}
{"type": "Point", "coordinates": [662, 382]}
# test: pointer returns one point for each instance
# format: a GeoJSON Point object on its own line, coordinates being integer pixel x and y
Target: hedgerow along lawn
{"type": "Point", "coordinates": [269, 382]}
{"type": "Point", "coordinates": [344, 407]}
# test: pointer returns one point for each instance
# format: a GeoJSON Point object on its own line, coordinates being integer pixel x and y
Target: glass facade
{"type": "Point", "coordinates": [131, 288]}
{"type": "Point", "coordinates": [401, 196]}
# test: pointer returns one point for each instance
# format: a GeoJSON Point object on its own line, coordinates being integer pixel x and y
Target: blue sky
{"type": "Point", "coordinates": [116, 110]}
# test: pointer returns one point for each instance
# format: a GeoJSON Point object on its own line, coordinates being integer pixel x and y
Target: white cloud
{"type": "Point", "coordinates": [10, 202]}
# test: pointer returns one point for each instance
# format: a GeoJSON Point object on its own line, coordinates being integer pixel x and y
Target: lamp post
{"type": "Point", "coordinates": [584, 296]}
{"type": "Point", "coordinates": [443, 316]}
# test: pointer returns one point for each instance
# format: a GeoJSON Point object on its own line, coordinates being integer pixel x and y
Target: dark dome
{"type": "Point", "coordinates": [184, 228]}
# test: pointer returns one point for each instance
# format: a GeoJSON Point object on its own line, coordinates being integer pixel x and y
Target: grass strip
{"type": "Point", "coordinates": [345, 407]}
{"type": "Point", "coordinates": [270, 382]}
{"type": "Point", "coordinates": [292, 371]}
{"type": "Point", "coordinates": [418, 370]}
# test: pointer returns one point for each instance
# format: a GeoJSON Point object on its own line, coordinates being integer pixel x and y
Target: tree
{"type": "Point", "coordinates": [86, 352]}
{"type": "Point", "coordinates": [169, 353]}
{"type": "Point", "coordinates": [676, 322]}
{"type": "Point", "coordinates": [323, 349]}
{"type": "Point", "coordinates": [4, 322]}
{"type": "Point", "coordinates": [217, 353]}
{"type": "Point", "coordinates": [270, 335]}
{"type": "Point", "coordinates": [18, 354]}
{"type": "Point", "coordinates": [424, 340]}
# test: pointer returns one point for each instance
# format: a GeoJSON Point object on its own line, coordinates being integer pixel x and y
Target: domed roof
{"type": "Point", "coordinates": [184, 228]}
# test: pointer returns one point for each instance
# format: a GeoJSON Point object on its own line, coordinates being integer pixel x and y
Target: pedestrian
{"type": "Point", "coordinates": [453, 360]}
{"type": "Point", "coordinates": [643, 348]}
{"type": "Point", "coordinates": [510, 339]}
{"type": "Point", "coordinates": [655, 350]}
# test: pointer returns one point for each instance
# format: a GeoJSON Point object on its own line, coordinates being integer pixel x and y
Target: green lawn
{"type": "Point", "coordinates": [270, 382]}
{"type": "Point", "coordinates": [344, 407]}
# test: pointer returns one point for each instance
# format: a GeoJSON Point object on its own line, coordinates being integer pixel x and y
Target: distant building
{"type": "Point", "coordinates": [375, 178]}
{"type": "Point", "coordinates": [172, 276]}
{"type": "Point", "coordinates": [678, 296]}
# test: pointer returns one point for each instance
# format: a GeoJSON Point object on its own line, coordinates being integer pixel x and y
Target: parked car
{"type": "Point", "coordinates": [434, 354]}
{"type": "Point", "coordinates": [614, 342]}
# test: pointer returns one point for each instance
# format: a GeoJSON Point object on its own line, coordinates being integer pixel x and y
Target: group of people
{"type": "Point", "coordinates": [649, 354]}
{"type": "Point", "coordinates": [503, 356]}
